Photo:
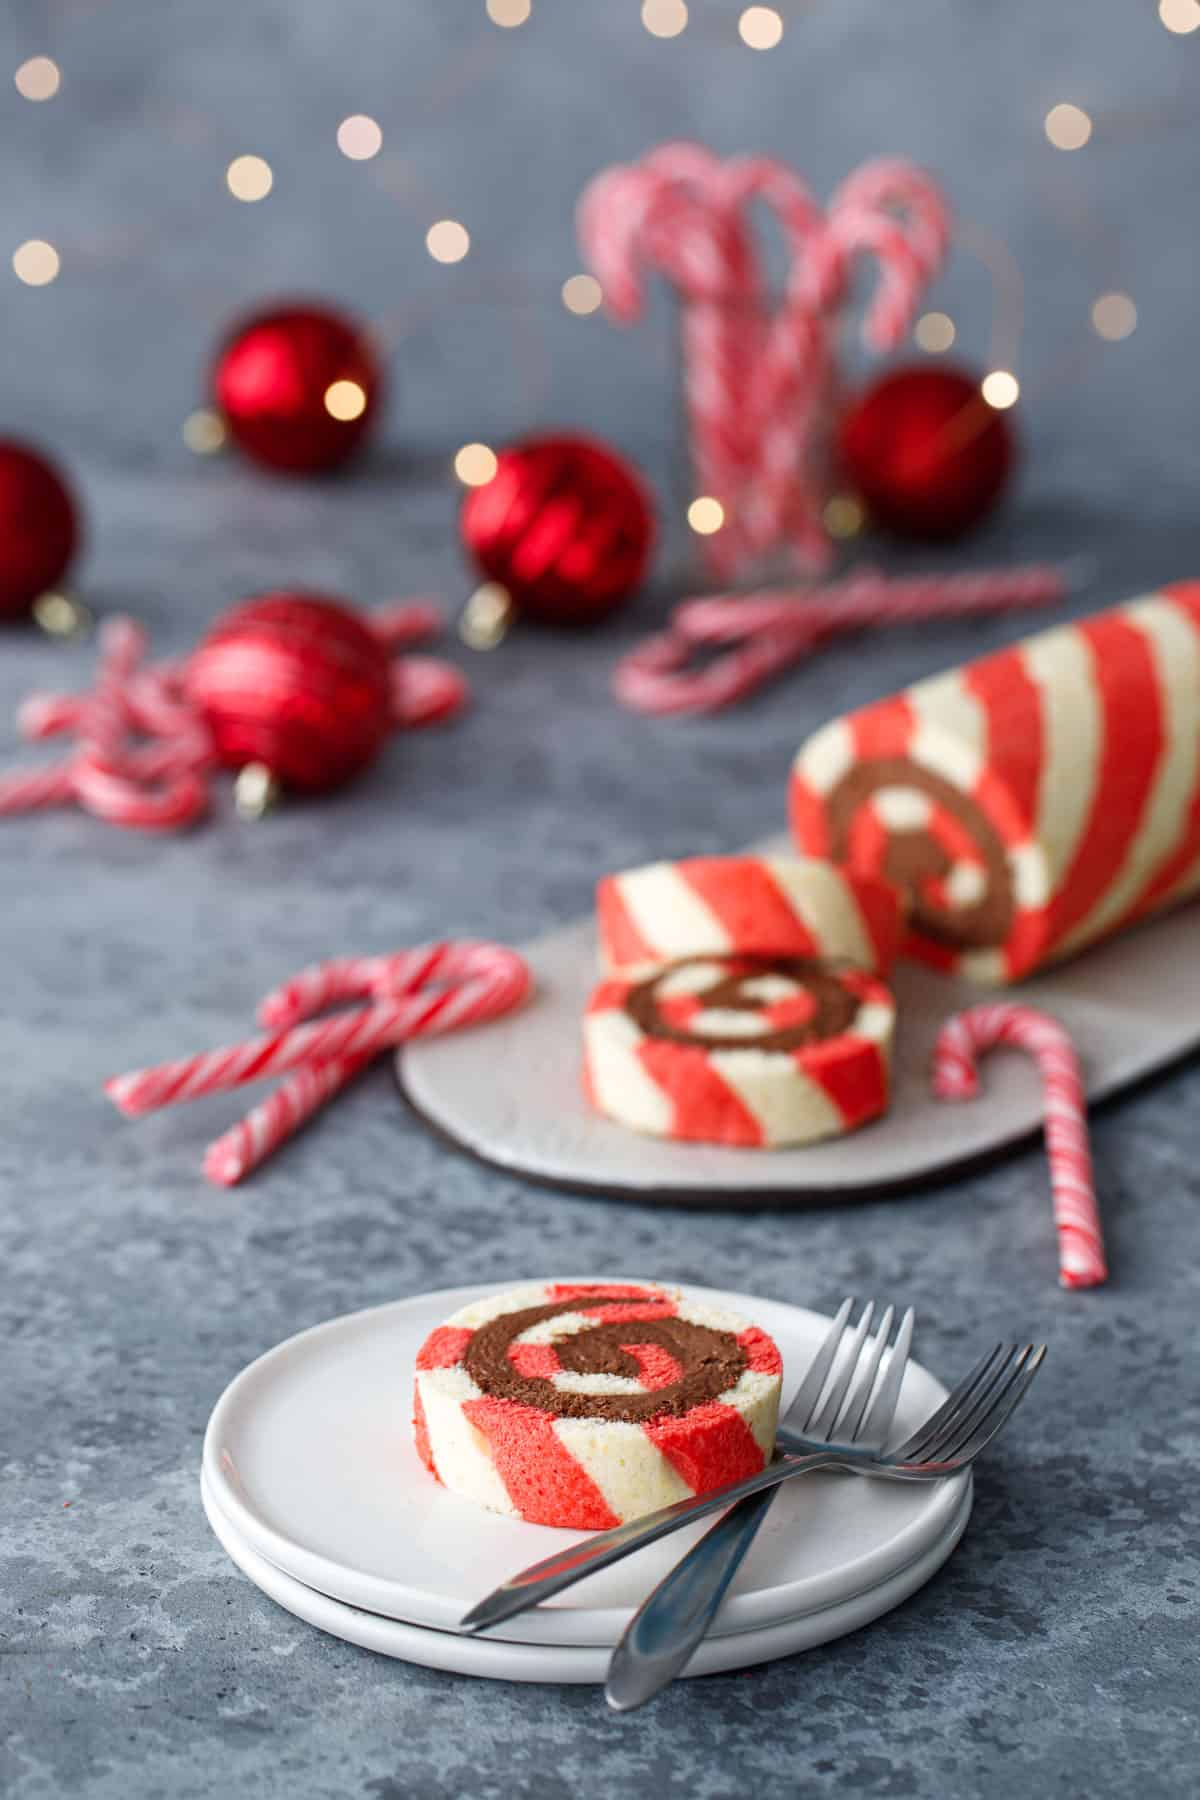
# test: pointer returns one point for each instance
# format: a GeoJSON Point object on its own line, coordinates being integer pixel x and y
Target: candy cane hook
{"type": "Point", "coordinates": [1081, 1258]}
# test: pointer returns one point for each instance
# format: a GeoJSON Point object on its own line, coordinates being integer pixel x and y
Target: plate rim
{"type": "Point", "coordinates": [501, 1659]}
{"type": "Point", "coordinates": [355, 1587]}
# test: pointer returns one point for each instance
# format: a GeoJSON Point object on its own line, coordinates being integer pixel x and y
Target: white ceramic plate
{"type": "Point", "coordinates": [510, 1092]}
{"type": "Point", "coordinates": [309, 1456]}
{"type": "Point", "coordinates": [503, 1661]}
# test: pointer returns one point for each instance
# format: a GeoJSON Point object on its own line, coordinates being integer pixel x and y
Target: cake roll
{"type": "Point", "coordinates": [1029, 803]}
{"type": "Point", "coordinates": [757, 1051]}
{"type": "Point", "coordinates": [767, 905]}
{"type": "Point", "coordinates": [587, 1404]}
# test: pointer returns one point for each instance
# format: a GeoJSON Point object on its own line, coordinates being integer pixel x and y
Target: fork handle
{"type": "Point", "coordinates": [664, 1632]}
{"type": "Point", "coordinates": [586, 1556]}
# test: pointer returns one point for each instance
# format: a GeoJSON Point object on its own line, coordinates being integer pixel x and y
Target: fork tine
{"type": "Point", "coordinates": [823, 1427]}
{"type": "Point", "coordinates": [910, 1449]}
{"type": "Point", "coordinates": [878, 1422]}
{"type": "Point", "coordinates": [958, 1429]}
{"type": "Point", "coordinates": [1004, 1408]}
{"type": "Point", "coordinates": [809, 1392]}
{"type": "Point", "coordinates": [970, 1436]}
{"type": "Point", "coordinates": [856, 1406]}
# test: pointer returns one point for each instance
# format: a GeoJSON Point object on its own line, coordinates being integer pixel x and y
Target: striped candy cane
{"type": "Point", "coordinates": [474, 983]}
{"type": "Point", "coordinates": [956, 1077]}
{"type": "Point", "coordinates": [760, 381]}
{"type": "Point", "coordinates": [766, 633]}
{"type": "Point", "coordinates": [161, 783]}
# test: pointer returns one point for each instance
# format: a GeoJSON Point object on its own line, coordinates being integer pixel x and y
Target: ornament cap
{"type": "Point", "coordinates": [62, 615]}
{"type": "Point", "coordinates": [256, 791]}
{"type": "Point", "coordinates": [486, 617]}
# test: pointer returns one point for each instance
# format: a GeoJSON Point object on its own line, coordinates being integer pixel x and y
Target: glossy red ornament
{"type": "Point", "coordinates": [274, 384]}
{"type": "Point", "coordinates": [925, 452]}
{"type": "Point", "coordinates": [39, 527]}
{"type": "Point", "coordinates": [565, 526]}
{"type": "Point", "coordinates": [297, 682]}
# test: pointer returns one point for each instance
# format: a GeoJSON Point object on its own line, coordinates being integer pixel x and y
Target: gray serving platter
{"type": "Point", "coordinates": [509, 1093]}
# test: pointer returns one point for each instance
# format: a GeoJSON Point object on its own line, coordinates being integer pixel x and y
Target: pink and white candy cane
{"type": "Point", "coordinates": [144, 752]}
{"type": "Point", "coordinates": [956, 1077]}
{"type": "Point", "coordinates": [430, 990]}
{"type": "Point", "coordinates": [759, 381]}
{"type": "Point", "coordinates": [763, 634]}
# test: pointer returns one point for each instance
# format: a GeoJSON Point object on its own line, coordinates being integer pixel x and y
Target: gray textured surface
{"type": "Point", "coordinates": [1057, 1652]}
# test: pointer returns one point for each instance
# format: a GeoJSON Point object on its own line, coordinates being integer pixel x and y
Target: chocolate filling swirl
{"type": "Point", "coordinates": [914, 858]}
{"type": "Point", "coordinates": [712, 1362]}
{"type": "Point", "coordinates": [834, 1010]}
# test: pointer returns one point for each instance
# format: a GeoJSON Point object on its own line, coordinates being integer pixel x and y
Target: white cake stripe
{"type": "Point", "coordinates": [787, 1103]}
{"type": "Point", "coordinates": [631, 1472]}
{"type": "Point", "coordinates": [821, 897]}
{"type": "Point", "coordinates": [1174, 645]}
{"type": "Point", "coordinates": [1060, 665]}
{"type": "Point", "coordinates": [668, 913]}
{"type": "Point", "coordinates": [620, 1084]}
{"type": "Point", "coordinates": [460, 1452]}
{"type": "Point", "coordinates": [827, 756]}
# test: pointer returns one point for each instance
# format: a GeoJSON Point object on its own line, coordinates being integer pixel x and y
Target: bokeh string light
{"type": "Point", "coordinates": [1067, 126]}
{"type": "Point", "coordinates": [38, 79]}
{"type": "Point", "coordinates": [249, 178]}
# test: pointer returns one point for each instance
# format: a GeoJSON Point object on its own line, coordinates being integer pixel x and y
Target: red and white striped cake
{"type": "Point", "coordinates": [751, 1050]}
{"type": "Point", "coordinates": [767, 905]}
{"type": "Point", "coordinates": [1032, 802]}
{"type": "Point", "coordinates": [586, 1404]}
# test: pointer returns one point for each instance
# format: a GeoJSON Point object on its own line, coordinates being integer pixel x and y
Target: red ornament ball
{"type": "Point", "coordinates": [297, 387]}
{"type": "Point", "coordinates": [39, 527]}
{"type": "Point", "coordinates": [297, 682]}
{"type": "Point", "coordinates": [564, 525]}
{"type": "Point", "coordinates": [925, 452]}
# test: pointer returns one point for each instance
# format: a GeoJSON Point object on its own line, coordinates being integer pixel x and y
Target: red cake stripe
{"type": "Point", "coordinates": [705, 1106]}
{"type": "Point", "coordinates": [808, 819]}
{"type": "Point", "coordinates": [421, 1434]}
{"type": "Point", "coordinates": [538, 1362]}
{"type": "Point", "coordinates": [1132, 743]}
{"type": "Point", "coordinates": [657, 1368]}
{"type": "Point", "coordinates": [599, 1290]}
{"type": "Point", "coordinates": [444, 1347]}
{"type": "Point", "coordinates": [542, 1478]}
{"type": "Point", "coordinates": [761, 1354]}
{"type": "Point", "coordinates": [753, 911]}
{"type": "Point", "coordinates": [712, 1445]}
{"type": "Point", "coordinates": [856, 1084]}
{"type": "Point", "coordinates": [886, 729]}
{"type": "Point", "coordinates": [618, 1313]}
{"type": "Point", "coordinates": [1011, 704]}
{"type": "Point", "coordinates": [1186, 597]}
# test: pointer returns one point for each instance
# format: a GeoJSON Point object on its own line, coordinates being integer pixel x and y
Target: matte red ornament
{"type": "Point", "coordinates": [925, 452]}
{"type": "Point", "coordinates": [296, 682]}
{"type": "Point", "coordinates": [274, 383]}
{"type": "Point", "coordinates": [39, 527]}
{"type": "Point", "coordinates": [565, 526]}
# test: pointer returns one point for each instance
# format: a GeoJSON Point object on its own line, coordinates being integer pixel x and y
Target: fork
{"type": "Point", "coordinates": [948, 1442]}
{"type": "Point", "coordinates": [662, 1635]}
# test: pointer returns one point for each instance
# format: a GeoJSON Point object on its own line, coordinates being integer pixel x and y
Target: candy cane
{"type": "Point", "coordinates": [279, 1117]}
{"type": "Point", "coordinates": [956, 1077]}
{"type": "Point", "coordinates": [772, 631]}
{"type": "Point", "coordinates": [487, 981]}
{"type": "Point", "coordinates": [160, 784]}
{"type": "Point", "coordinates": [760, 382]}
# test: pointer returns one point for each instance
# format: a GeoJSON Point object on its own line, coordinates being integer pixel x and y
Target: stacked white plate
{"type": "Point", "coordinates": [311, 1483]}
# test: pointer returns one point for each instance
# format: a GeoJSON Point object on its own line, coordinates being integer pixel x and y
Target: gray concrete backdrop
{"type": "Point", "coordinates": [1056, 1654]}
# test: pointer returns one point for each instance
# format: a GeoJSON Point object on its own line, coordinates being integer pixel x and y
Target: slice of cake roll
{"type": "Point", "coordinates": [767, 905]}
{"type": "Point", "coordinates": [587, 1404]}
{"type": "Point", "coordinates": [1029, 803]}
{"type": "Point", "coordinates": [751, 1050]}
